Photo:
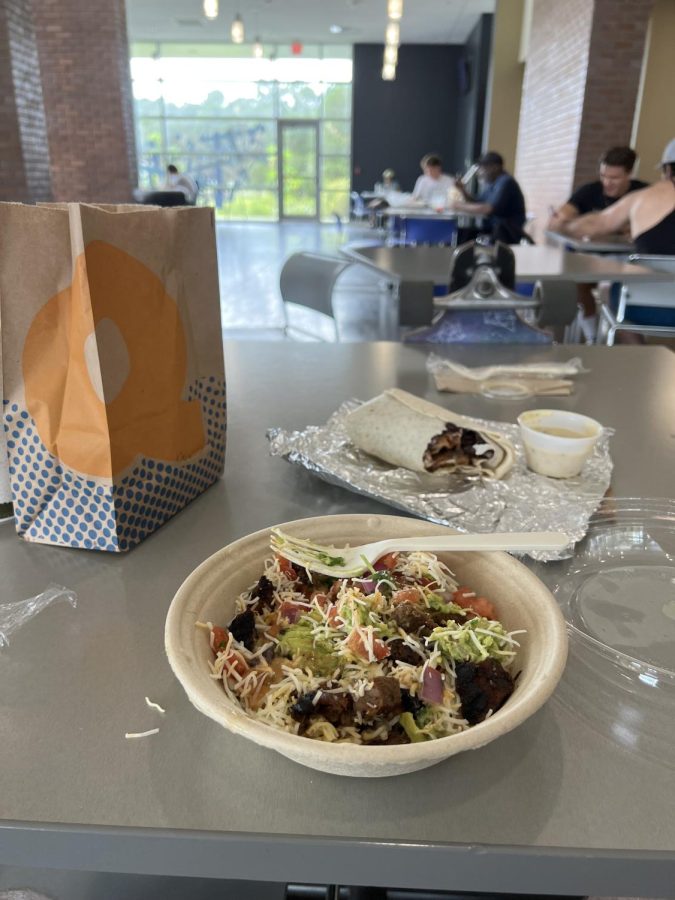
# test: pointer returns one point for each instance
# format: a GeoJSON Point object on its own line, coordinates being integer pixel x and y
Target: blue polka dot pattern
{"type": "Point", "coordinates": [55, 505]}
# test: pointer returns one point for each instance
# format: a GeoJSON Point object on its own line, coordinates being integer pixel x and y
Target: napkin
{"type": "Point", "coordinates": [543, 379]}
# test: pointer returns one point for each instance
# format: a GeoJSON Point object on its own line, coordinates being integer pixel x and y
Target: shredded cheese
{"type": "Point", "coordinates": [132, 735]}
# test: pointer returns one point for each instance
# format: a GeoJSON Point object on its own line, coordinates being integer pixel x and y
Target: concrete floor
{"type": "Point", "coordinates": [250, 258]}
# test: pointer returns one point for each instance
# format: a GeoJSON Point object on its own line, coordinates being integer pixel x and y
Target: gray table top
{"type": "Point", "coordinates": [610, 244]}
{"type": "Point", "coordinates": [556, 805]}
{"type": "Point", "coordinates": [533, 263]}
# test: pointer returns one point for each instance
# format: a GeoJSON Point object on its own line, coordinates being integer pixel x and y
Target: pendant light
{"type": "Point", "coordinates": [395, 9]}
{"type": "Point", "coordinates": [392, 34]}
{"type": "Point", "coordinates": [210, 8]}
{"type": "Point", "coordinates": [388, 72]}
{"type": "Point", "coordinates": [237, 30]}
{"type": "Point", "coordinates": [258, 49]}
{"type": "Point", "coordinates": [391, 54]}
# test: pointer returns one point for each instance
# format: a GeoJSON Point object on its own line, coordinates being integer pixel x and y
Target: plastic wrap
{"type": "Point", "coordinates": [14, 615]}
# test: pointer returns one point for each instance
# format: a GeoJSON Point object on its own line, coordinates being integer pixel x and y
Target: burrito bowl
{"type": "Point", "coordinates": [210, 593]}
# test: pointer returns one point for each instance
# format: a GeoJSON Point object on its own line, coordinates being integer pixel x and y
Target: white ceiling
{"type": "Point", "coordinates": [307, 21]}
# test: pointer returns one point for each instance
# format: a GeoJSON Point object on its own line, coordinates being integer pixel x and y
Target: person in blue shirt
{"type": "Point", "coordinates": [500, 201]}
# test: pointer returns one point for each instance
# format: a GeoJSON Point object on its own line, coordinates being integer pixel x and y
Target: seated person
{"type": "Point", "coordinates": [389, 182]}
{"type": "Point", "coordinates": [648, 213]}
{"type": "Point", "coordinates": [500, 200]}
{"type": "Point", "coordinates": [432, 187]}
{"type": "Point", "coordinates": [616, 167]}
{"type": "Point", "coordinates": [185, 183]}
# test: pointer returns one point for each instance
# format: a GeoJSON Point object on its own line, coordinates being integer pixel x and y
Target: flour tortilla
{"type": "Point", "coordinates": [397, 427]}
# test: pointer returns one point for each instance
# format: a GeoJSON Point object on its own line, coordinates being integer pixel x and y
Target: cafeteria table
{"type": "Point", "coordinates": [610, 244]}
{"type": "Point", "coordinates": [558, 806]}
{"type": "Point", "coordinates": [533, 263]}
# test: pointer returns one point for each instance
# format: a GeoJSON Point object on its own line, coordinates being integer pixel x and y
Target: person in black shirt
{"type": "Point", "coordinates": [616, 167]}
{"type": "Point", "coordinates": [500, 200]}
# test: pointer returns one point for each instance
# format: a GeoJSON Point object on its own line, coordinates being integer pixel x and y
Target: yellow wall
{"type": "Point", "coordinates": [655, 119]}
{"type": "Point", "coordinates": [506, 81]}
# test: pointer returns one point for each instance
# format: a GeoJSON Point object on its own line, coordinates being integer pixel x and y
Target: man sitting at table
{"type": "Point", "coordinates": [500, 200]}
{"type": "Point", "coordinates": [616, 168]}
{"type": "Point", "coordinates": [649, 214]}
{"type": "Point", "coordinates": [432, 187]}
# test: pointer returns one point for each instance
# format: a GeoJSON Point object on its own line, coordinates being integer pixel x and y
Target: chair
{"type": "Point", "coordinates": [358, 211]}
{"type": "Point", "coordinates": [428, 231]}
{"type": "Point", "coordinates": [645, 308]}
{"type": "Point", "coordinates": [307, 280]}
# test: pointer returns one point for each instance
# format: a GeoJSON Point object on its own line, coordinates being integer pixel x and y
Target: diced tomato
{"type": "Point", "coordinates": [292, 611]}
{"type": "Point", "coordinates": [484, 607]}
{"type": "Point", "coordinates": [332, 616]}
{"type": "Point", "coordinates": [220, 636]}
{"type": "Point", "coordinates": [463, 596]}
{"type": "Point", "coordinates": [468, 599]}
{"type": "Point", "coordinates": [236, 661]}
{"type": "Point", "coordinates": [388, 561]}
{"type": "Point", "coordinates": [356, 645]}
{"type": "Point", "coordinates": [321, 599]}
{"type": "Point", "coordinates": [287, 568]}
{"type": "Point", "coordinates": [407, 595]}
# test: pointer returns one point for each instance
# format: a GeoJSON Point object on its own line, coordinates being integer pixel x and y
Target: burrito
{"type": "Point", "coordinates": [405, 430]}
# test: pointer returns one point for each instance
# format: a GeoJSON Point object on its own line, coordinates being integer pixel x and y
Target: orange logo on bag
{"type": "Point", "coordinates": [146, 416]}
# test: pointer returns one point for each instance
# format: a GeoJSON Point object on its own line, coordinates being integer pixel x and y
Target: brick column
{"type": "Point", "coordinates": [24, 155]}
{"type": "Point", "coordinates": [615, 56]}
{"type": "Point", "coordinates": [579, 93]}
{"type": "Point", "coordinates": [84, 59]}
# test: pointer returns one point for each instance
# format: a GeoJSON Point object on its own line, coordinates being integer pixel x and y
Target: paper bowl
{"type": "Point", "coordinates": [522, 601]}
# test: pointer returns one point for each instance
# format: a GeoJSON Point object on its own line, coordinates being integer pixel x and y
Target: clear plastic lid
{"type": "Point", "coordinates": [617, 594]}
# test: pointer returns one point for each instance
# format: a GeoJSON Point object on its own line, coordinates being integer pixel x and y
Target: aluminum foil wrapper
{"type": "Point", "coordinates": [523, 501]}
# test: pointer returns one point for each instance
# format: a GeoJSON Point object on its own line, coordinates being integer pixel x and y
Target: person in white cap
{"type": "Point", "coordinates": [650, 213]}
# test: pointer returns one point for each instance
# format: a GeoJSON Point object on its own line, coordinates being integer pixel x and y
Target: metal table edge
{"type": "Point", "coordinates": [291, 858]}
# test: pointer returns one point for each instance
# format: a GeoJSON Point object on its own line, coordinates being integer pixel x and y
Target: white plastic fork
{"type": "Point", "coordinates": [349, 562]}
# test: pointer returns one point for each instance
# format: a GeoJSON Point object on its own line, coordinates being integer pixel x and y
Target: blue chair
{"type": "Point", "coordinates": [428, 230]}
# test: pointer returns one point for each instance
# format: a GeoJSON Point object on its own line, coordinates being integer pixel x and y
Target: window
{"type": "Point", "coordinates": [213, 111]}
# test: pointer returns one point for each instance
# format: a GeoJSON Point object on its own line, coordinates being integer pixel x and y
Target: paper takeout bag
{"type": "Point", "coordinates": [114, 386]}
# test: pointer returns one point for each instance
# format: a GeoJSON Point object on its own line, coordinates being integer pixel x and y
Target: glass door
{"type": "Point", "coordinates": [298, 169]}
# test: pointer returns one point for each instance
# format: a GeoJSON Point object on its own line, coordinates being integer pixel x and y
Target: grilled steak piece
{"type": "Point", "coordinates": [413, 618]}
{"type": "Point", "coordinates": [398, 650]}
{"type": "Point", "coordinates": [243, 629]}
{"type": "Point", "coordinates": [263, 594]}
{"type": "Point", "coordinates": [453, 444]}
{"type": "Point", "coordinates": [383, 699]}
{"type": "Point", "coordinates": [482, 687]}
{"type": "Point", "coordinates": [338, 709]}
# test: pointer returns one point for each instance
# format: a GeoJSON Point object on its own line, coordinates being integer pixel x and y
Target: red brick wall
{"type": "Point", "coordinates": [579, 94]}
{"type": "Point", "coordinates": [614, 64]}
{"type": "Point", "coordinates": [87, 90]}
{"type": "Point", "coordinates": [24, 154]}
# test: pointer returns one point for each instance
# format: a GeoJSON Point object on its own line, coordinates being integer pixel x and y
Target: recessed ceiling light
{"type": "Point", "coordinates": [336, 29]}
